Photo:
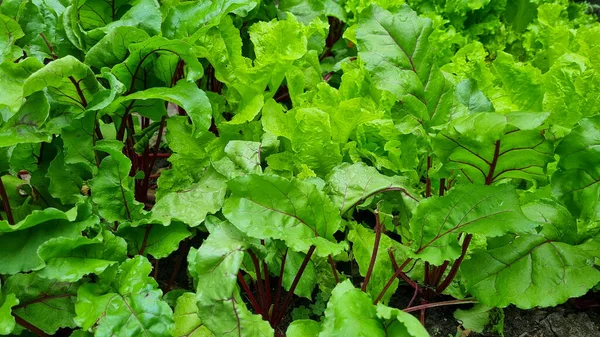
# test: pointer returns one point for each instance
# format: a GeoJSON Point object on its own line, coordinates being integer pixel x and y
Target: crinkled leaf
{"type": "Point", "coordinates": [160, 241]}
{"type": "Point", "coordinates": [132, 308]}
{"type": "Point", "coordinates": [26, 126]}
{"type": "Point", "coordinates": [267, 206]}
{"type": "Point", "coordinates": [191, 203]}
{"type": "Point", "coordinates": [69, 259]}
{"type": "Point", "coordinates": [394, 47]}
{"type": "Point", "coordinates": [187, 322]}
{"type": "Point", "coordinates": [576, 180]}
{"type": "Point", "coordinates": [351, 185]}
{"type": "Point", "coordinates": [12, 78]}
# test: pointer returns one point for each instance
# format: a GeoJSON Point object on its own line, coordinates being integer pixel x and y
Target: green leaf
{"type": "Point", "coordinates": [193, 18]}
{"type": "Point", "coordinates": [160, 242]}
{"type": "Point", "coordinates": [395, 49]}
{"type": "Point", "coordinates": [142, 56]}
{"type": "Point", "coordinates": [303, 328]}
{"type": "Point", "coordinates": [47, 304]}
{"type": "Point", "coordinates": [112, 189]}
{"type": "Point", "coordinates": [192, 203]}
{"type": "Point", "coordinates": [78, 140]}
{"type": "Point", "coordinates": [7, 321]}
{"type": "Point", "coordinates": [350, 312]}
{"type": "Point", "coordinates": [66, 180]}
{"type": "Point", "coordinates": [69, 259]}
{"type": "Point", "coordinates": [19, 243]}
{"type": "Point", "coordinates": [529, 271]}
{"type": "Point", "coordinates": [400, 323]}
{"type": "Point", "coordinates": [10, 31]}
{"type": "Point", "coordinates": [351, 185]}
{"type": "Point", "coordinates": [12, 78]}
{"type": "Point", "coordinates": [112, 49]}
{"type": "Point", "coordinates": [68, 80]}
{"type": "Point", "coordinates": [293, 260]}
{"type": "Point", "coordinates": [489, 147]}
{"type": "Point", "coordinates": [187, 322]}
{"type": "Point", "coordinates": [470, 96]}
{"type": "Point", "coordinates": [486, 210]}
{"type": "Point", "coordinates": [185, 94]}
{"type": "Point", "coordinates": [308, 10]}
{"type": "Point", "coordinates": [26, 126]}
{"type": "Point", "coordinates": [481, 318]}
{"type": "Point", "coordinates": [576, 179]}
{"type": "Point", "coordinates": [132, 307]}
{"type": "Point", "coordinates": [267, 206]}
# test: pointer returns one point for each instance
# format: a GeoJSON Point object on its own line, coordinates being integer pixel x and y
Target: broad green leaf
{"type": "Point", "coordinates": [12, 78]}
{"type": "Point", "coordinates": [19, 244]}
{"type": "Point", "coordinates": [395, 49]}
{"type": "Point", "coordinates": [293, 260]}
{"type": "Point", "coordinates": [481, 318]}
{"type": "Point", "coordinates": [187, 322]}
{"type": "Point", "coordinates": [351, 185]}
{"type": "Point", "coordinates": [112, 189]}
{"type": "Point", "coordinates": [133, 307]}
{"type": "Point", "coordinates": [68, 80]}
{"type": "Point", "coordinates": [10, 31]}
{"type": "Point", "coordinates": [194, 18]}
{"type": "Point", "coordinates": [486, 210]}
{"type": "Point", "coordinates": [47, 304]}
{"type": "Point", "coordinates": [245, 154]}
{"type": "Point", "coordinates": [139, 63]}
{"type": "Point", "coordinates": [489, 147]}
{"type": "Point", "coordinates": [529, 271]}
{"type": "Point", "coordinates": [522, 88]}
{"type": "Point", "coordinates": [303, 328]}
{"type": "Point", "coordinates": [160, 242]}
{"type": "Point", "coordinates": [27, 125]}
{"type": "Point", "coordinates": [576, 180]}
{"type": "Point", "coordinates": [7, 321]}
{"type": "Point", "coordinates": [400, 323]}
{"type": "Point", "coordinates": [471, 97]}
{"type": "Point", "coordinates": [112, 49]}
{"type": "Point", "coordinates": [66, 180]}
{"type": "Point", "coordinates": [308, 10]}
{"type": "Point", "coordinates": [70, 259]}
{"type": "Point", "coordinates": [267, 206]}
{"type": "Point", "coordinates": [185, 94]}
{"type": "Point", "coordinates": [215, 267]}
{"type": "Point", "coordinates": [350, 312]}
{"type": "Point", "coordinates": [191, 203]}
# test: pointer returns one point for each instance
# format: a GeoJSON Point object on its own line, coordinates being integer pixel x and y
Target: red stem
{"type": "Point", "coordinates": [6, 203]}
{"type": "Point", "coordinates": [29, 326]}
{"type": "Point", "coordinates": [439, 304]}
{"type": "Point", "coordinates": [333, 268]}
{"type": "Point", "coordinates": [257, 307]}
{"type": "Point", "coordinates": [290, 294]}
{"type": "Point", "coordinates": [185, 247]}
{"type": "Point", "coordinates": [391, 280]}
{"type": "Point", "coordinates": [402, 274]}
{"type": "Point", "coordinates": [259, 283]}
{"type": "Point", "coordinates": [145, 241]}
{"type": "Point", "coordinates": [279, 287]}
{"type": "Point", "coordinates": [490, 177]}
{"type": "Point", "coordinates": [455, 265]}
{"type": "Point", "coordinates": [375, 250]}
{"type": "Point", "coordinates": [428, 180]}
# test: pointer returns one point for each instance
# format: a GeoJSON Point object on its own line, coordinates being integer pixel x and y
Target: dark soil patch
{"type": "Point", "coordinates": [562, 321]}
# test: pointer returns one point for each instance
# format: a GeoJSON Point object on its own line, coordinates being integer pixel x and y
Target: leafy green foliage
{"type": "Point", "coordinates": [338, 151]}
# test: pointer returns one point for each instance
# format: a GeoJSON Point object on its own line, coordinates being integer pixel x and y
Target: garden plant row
{"type": "Point", "coordinates": [287, 168]}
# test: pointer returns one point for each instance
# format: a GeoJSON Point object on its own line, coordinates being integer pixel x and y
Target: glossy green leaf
{"type": "Point", "coordinates": [351, 185]}
{"type": "Point", "coordinates": [12, 78]}
{"type": "Point", "coordinates": [47, 304]}
{"type": "Point", "coordinates": [191, 203]}
{"type": "Point", "coordinates": [486, 210]}
{"type": "Point", "coordinates": [132, 307]}
{"type": "Point", "coordinates": [112, 189]}
{"type": "Point", "coordinates": [7, 321]}
{"type": "Point", "coordinates": [26, 126]}
{"type": "Point", "coordinates": [530, 271]}
{"type": "Point", "coordinates": [266, 206]}
{"type": "Point", "coordinates": [400, 323]}
{"type": "Point", "coordinates": [69, 259]}
{"type": "Point", "coordinates": [187, 322]}
{"type": "Point", "coordinates": [576, 180]}
{"type": "Point", "coordinates": [303, 328]}
{"type": "Point", "coordinates": [160, 241]}
{"type": "Point", "coordinates": [394, 47]}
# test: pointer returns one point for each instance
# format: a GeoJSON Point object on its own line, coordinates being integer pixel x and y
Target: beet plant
{"type": "Point", "coordinates": [294, 168]}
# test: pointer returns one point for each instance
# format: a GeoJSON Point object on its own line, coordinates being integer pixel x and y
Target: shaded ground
{"type": "Point", "coordinates": [561, 321]}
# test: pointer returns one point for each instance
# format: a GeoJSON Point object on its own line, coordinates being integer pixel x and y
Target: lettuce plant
{"type": "Point", "coordinates": [285, 168]}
